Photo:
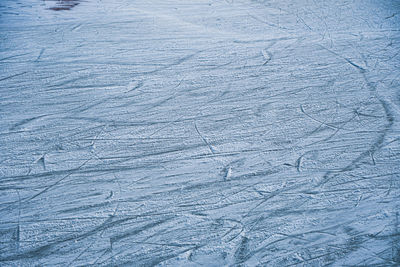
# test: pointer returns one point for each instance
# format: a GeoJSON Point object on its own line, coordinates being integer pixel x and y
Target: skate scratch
{"type": "Point", "coordinates": [204, 140]}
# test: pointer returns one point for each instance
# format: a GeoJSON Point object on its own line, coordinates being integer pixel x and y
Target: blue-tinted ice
{"type": "Point", "coordinates": [199, 133]}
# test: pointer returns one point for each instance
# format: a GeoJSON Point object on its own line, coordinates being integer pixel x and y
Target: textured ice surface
{"type": "Point", "coordinates": [254, 133]}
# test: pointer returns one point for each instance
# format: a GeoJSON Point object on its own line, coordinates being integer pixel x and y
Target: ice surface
{"type": "Point", "coordinates": [199, 133]}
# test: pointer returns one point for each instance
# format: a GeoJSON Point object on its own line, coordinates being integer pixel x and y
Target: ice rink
{"type": "Point", "coordinates": [199, 133]}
